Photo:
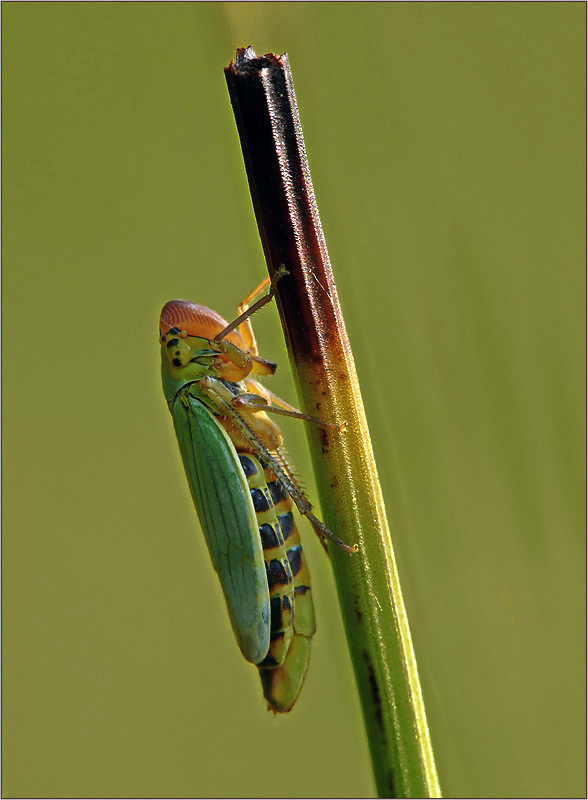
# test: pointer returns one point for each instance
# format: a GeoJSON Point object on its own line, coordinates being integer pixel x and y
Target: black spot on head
{"type": "Point", "coordinates": [270, 536]}
{"type": "Point", "coordinates": [295, 558]}
{"type": "Point", "coordinates": [173, 343]}
{"type": "Point", "coordinates": [174, 330]}
{"type": "Point", "coordinates": [277, 574]}
{"type": "Point", "coordinates": [177, 362]}
{"type": "Point", "coordinates": [261, 501]}
{"type": "Point", "coordinates": [247, 466]}
{"type": "Point", "coordinates": [286, 524]}
{"type": "Point", "coordinates": [277, 491]}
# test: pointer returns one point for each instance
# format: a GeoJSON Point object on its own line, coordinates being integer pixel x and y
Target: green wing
{"type": "Point", "coordinates": [223, 502]}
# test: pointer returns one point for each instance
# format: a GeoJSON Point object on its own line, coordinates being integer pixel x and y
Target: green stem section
{"type": "Point", "coordinates": [351, 500]}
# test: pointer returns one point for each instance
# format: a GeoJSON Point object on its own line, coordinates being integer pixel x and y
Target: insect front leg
{"type": "Point", "coordinates": [246, 309]}
{"type": "Point", "coordinates": [239, 358]}
{"type": "Point", "coordinates": [245, 328]}
{"type": "Point", "coordinates": [250, 305]}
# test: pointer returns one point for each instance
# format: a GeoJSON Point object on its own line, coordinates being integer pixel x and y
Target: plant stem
{"type": "Point", "coordinates": [371, 602]}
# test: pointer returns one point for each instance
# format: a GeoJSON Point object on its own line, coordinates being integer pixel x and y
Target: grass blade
{"type": "Point", "coordinates": [375, 620]}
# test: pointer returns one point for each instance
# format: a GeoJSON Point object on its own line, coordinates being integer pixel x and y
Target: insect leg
{"type": "Point", "coordinates": [223, 399]}
{"type": "Point", "coordinates": [256, 403]}
{"type": "Point", "coordinates": [245, 328]}
{"type": "Point", "coordinates": [242, 321]}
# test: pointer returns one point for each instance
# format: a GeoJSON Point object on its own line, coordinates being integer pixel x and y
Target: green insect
{"type": "Point", "coordinates": [242, 486]}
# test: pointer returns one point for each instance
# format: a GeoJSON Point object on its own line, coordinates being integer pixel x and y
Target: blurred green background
{"type": "Point", "coordinates": [446, 147]}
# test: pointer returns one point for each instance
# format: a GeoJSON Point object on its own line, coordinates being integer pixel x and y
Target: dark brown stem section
{"type": "Point", "coordinates": [351, 499]}
{"type": "Point", "coordinates": [269, 127]}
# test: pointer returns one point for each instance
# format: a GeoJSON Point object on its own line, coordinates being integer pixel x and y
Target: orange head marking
{"type": "Point", "coordinates": [195, 320]}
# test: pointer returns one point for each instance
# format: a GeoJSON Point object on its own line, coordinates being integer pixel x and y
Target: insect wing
{"type": "Point", "coordinates": [225, 509]}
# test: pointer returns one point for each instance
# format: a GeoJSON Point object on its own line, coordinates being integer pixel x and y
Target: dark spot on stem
{"type": "Point", "coordinates": [375, 689]}
{"type": "Point", "coordinates": [392, 791]}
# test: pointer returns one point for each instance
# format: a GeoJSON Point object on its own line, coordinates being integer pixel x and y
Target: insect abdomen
{"type": "Point", "coordinates": [283, 670]}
